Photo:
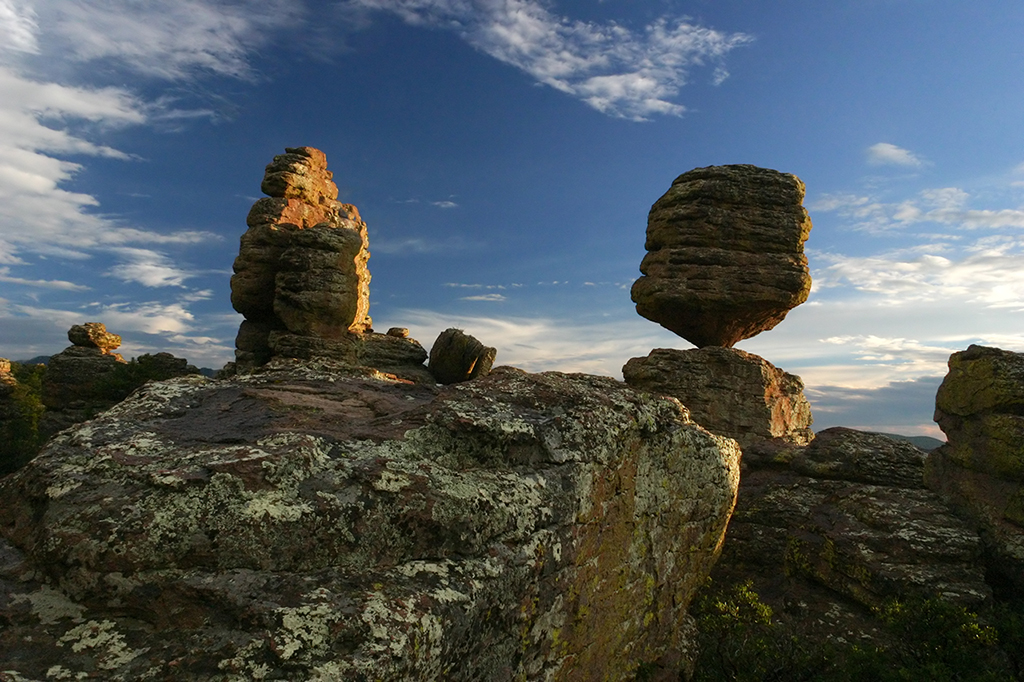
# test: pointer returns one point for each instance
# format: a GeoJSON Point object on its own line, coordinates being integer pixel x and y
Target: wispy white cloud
{"type": "Point", "coordinates": [986, 272]}
{"type": "Point", "coordinates": [444, 204]}
{"type": "Point", "coordinates": [5, 276]}
{"type": "Point", "coordinates": [149, 268]}
{"type": "Point", "coordinates": [484, 297]}
{"type": "Point", "coordinates": [886, 154]}
{"type": "Point", "coordinates": [168, 39]}
{"type": "Point", "coordinates": [18, 27]}
{"type": "Point", "coordinates": [618, 71]}
{"type": "Point", "coordinates": [946, 206]}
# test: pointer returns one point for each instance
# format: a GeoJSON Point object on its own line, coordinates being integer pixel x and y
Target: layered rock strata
{"type": "Point", "coordinates": [312, 521]}
{"type": "Point", "coordinates": [980, 408]}
{"type": "Point", "coordinates": [728, 391]}
{"type": "Point", "coordinates": [457, 356]}
{"type": "Point", "coordinates": [725, 254]}
{"type": "Point", "coordinates": [827, 531]}
{"type": "Point", "coordinates": [301, 269]}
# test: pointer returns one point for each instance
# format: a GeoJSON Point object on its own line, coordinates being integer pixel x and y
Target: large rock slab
{"type": "Point", "coordinates": [845, 526]}
{"type": "Point", "coordinates": [980, 407]}
{"type": "Point", "coordinates": [728, 391]}
{"type": "Point", "coordinates": [725, 254]}
{"type": "Point", "coordinates": [314, 522]}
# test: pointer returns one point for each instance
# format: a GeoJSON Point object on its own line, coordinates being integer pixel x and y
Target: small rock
{"type": "Point", "coordinates": [400, 332]}
{"type": "Point", "coordinates": [457, 356]}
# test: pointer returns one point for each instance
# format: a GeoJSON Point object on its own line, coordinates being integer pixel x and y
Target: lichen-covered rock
{"type": "Point", "coordinates": [980, 470]}
{"type": "Point", "coordinates": [725, 254]}
{"type": "Point", "coordinates": [728, 391]}
{"type": "Point", "coordinates": [301, 267]}
{"type": "Point", "coordinates": [457, 356]}
{"type": "Point", "coordinates": [980, 408]}
{"type": "Point", "coordinates": [832, 534]}
{"type": "Point", "coordinates": [312, 521]}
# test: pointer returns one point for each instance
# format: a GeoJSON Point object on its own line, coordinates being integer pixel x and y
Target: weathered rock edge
{"type": "Point", "coordinates": [312, 522]}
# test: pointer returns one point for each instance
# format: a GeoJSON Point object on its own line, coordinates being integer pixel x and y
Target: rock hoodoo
{"type": "Point", "coordinates": [315, 521]}
{"type": "Point", "coordinates": [301, 277]}
{"type": "Point", "coordinates": [301, 268]}
{"type": "Point", "coordinates": [725, 254]}
{"type": "Point", "coordinates": [728, 391]}
{"type": "Point", "coordinates": [980, 470]}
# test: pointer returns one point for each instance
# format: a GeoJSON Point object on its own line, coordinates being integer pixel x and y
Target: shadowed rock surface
{"type": "Point", "coordinates": [457, 356]}
{"type": "Point", "coordinates": [311, 521]}
{"type": "Point", "coordinates": [980, 408]}
{"type": "Point", "coordinates": [829, 530]}
{"type": "Point", "coordinates": [728, 391]}
{"type": "Point", "coordinates": [725, 254]}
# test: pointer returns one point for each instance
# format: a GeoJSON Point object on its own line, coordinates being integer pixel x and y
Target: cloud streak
{"type": "Point", "coordinates": [886, 154]}
{"type": "Point", "coordinates": [617, 71]}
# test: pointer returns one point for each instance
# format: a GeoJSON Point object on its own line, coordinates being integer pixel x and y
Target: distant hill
{"type": "Point", "coordinates": [37, 360]}
{"type": "Point", "coordinates": [923, 442]}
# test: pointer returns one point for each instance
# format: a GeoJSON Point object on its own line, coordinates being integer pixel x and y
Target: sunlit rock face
{"type": "Point", "coordinates": [728, 391]}
{"type": "Point", "coordinates": [302, 264]}
{"type": "Point", "coordinates": [314, 521]}
{"type": "Point", "coordinates": [725, 254]}
{"type": "Point", "coordinates": [980, 407]}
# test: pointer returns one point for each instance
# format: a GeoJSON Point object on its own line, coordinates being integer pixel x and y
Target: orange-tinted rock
{"type": "Point", "coordinates": [94, 335]}
{"type": "Point", "coordinates": [302, 264]}
{"type": "Point", "coordinates": [725, 254]}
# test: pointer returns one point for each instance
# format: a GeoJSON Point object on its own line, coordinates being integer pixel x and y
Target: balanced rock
{"type": "Point", "coordinates": [980, 407]}
{"type": "Point", "coordinates": [320, 522]}
{"type": "Point", "coordinates": [457, 356]}
{"type": "Point", "coordinates": [301, 267]}
{"type": "Point", "coordinates": [725, 254]}
{"type": "Point", "coordinates": [728, 391]}
{"type": "Point", "coordinates": [94, 335]}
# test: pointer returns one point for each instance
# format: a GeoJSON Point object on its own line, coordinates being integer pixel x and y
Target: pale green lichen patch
{"type": "Point", "coordinates": [50, 605]}
{"type": "Point", "coordinates": [102, 640]}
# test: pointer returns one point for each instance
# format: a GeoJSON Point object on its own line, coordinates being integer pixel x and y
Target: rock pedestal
{"type": "Point", "coordinates": [319, 522]}
{"type": "Point", "coordinates": [728, 391]}
{"type": "Point", "coordinates": [980, 407]}
{"type": "Point", "coordinates": [725, 254]}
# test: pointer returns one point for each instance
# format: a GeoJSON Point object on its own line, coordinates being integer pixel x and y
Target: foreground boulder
{"type": "Point", "coordinates": [728, 391]}
{"type": "Point", "coordinates": [316, 522]}
{"type": "Point", "coordinates": [980, 408]}
{"type": "Point", "coordinates": [457, 356]}
{"type": "Point", "coordinates": [827, 531]}
{"type": "Point", "coordinates": [725, 254]}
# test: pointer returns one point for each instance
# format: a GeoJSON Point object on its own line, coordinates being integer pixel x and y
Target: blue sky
{"type": "Point", "coordinates": [505, 153]}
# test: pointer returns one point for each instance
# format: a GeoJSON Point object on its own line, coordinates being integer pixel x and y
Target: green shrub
{"type": "Point", "coordinates": [927, 639]}
{"type": "Point", "coordinates": [19, 435]}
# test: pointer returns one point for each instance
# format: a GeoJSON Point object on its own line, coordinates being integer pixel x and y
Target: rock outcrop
{"type": "Point", "coordinates": [301, 278]}
{"type": "Point", "coordinates": [88, 377]}
{"type": "Point", "coordinates": [980, 407]}
{"type": "Point", "coordinates": [312, 521]}
{"type": "Point", "coordinates": [725, 254]}
{"type": "Point", "coordinates": [728, 391]}
{"type": "Point", "coordinates": [828, 530]}
{"type": "Point", "coordinates": [457, 356]}
{"type": "Point", "coordinates": [301, 268]}
{"type": "Point", "coordinates": [83, 379]}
